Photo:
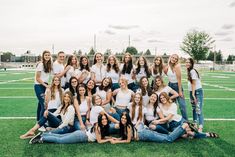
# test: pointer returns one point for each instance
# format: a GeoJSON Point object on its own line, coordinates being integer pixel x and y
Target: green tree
{"type": "Point", "coordinates": [147, 52]}
{"type": "Point", "coordinates": [231, 58]}
{"type": "Point", "coordinates": [92, 51]}
{"type": "Point", "coordinates": [6, 56]}
{"type": "Point", "coordinates": [218, 56]}
{"type": "Point", "coordinates": [197, 44]}
{"type": "Point", "coordinates": [132, 50]}
{"type": "Point", "coordinates": [108, 52]}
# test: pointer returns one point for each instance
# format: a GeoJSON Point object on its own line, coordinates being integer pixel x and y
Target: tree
{"type": "Point", "coordinates": [6, 56]}
{"type": "Point", "coordinates": [218, 56]}
{"type": "Point", "coordinates": [92, 51]}
{"type": "Point", "coordinates": [231, 58]}
{"type": "Point", "coordinates": [132, 50]}
{"type": "Point", "coordinates": [108, 52]}
{"type": "Point", "coordinates": [147, 52]}
{"type": "Point", "coordinates": [197, 44]}
{"type": "Point", "coordinates": [79, 52]}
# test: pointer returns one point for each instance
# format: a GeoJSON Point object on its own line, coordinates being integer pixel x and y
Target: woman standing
{"type": "Point", "coordinates": [98, 71]}
{"type": "Point", "coordinates": [173, 72]}
{"type": "Point", "coordinates": [43, 70]}
{"type": "Point", "coordinates": [145, 90]}
{"type": "Point", "coordinates": [113, 71]}
{"type": "Point", "coordinates": [73, 83]}
{"type": "Point", "coordinates": [142, 69]}
{"type": "Point", "coordinates": [196, 93]}
{"type": "Point", "coordinates": [85, 70]}
{"type": "Point", "coordinates": [127, 71]}
{"type": "Point", "coordinates": [157, 68]}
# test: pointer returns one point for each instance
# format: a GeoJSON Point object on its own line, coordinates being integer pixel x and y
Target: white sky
{"type": "Point", "coordinates": [152, 24]}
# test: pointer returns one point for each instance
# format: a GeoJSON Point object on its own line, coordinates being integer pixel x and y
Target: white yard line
{"type": "Point", "coordinates": [10, 81]}
{"type": "Point", "coordinates": [15, 88]}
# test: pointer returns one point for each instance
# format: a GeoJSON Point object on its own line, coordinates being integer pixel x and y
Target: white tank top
{"type": "Point", "coordinates": [54, 104]}
{"type": "Point", "coordinates": [83, 107]}
{"type": "Point", "coordinates": [91, 135]}
{"type": "Point", "coordinates": [101, 93]}
{"type": "Point", "coordinates": [171, 76]}
{"type": "Point", "coordinates": [113, 75]}
{"type": "Point", "coordinates": [123, 98]}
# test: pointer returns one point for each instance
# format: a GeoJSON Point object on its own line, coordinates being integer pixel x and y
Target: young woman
{"type": "Point", "coordinates": [105, 92]}
{"type": "Point", "coordinates": [82, 109]}
{"type": "Point", "coordinates": [65, 111]}
{"type": "Point", "coordinates": [71, 69]}
{"type": "Point", "coordinates": [157, 68]}
{"type": "Point", "coordinates": [123, 96]}
{"type": "Point", "coordinates": [173, 72]}
{"type": "Point", "coordinates": [160, 87]}
{"type": "Point", "coordinates": [145, 90]}
{"type": "Point", "coordinates": [113, 71]}
{"type": "Point", "coordinates": [98, 70]}
{"type": "Point", "coordinates": [142, 133]}
{"type": "Point", "coordinates": [142, 69]}
{"type": "Point", "coordinates": [91, 88]}
{"type": "Point", "coordinates": [136, 109]}
{"type": "Point", "coordinates": [73, 83]}
{"type": "Point", "coordinates": [196, 93]}
{"type": "Point", "coordinates": [58, 67]}
{"type": "Point", "coordinates": [127, 71]}
{"type": "Point", "coordinates": [54, 95]}
{"type": "Point", "coordinates": [169, 111]}
{"type": "Point", "coordinates": [43, 70]}
{"type": "Point", "coordinates": [151, 115]}
{"type": "Point", "coordinates": [99, 132]}
{"type": "Point", "coordinates": [85, 70]}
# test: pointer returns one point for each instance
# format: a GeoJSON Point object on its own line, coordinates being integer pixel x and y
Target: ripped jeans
{"type": "Point", "coordinates": [40, 93]}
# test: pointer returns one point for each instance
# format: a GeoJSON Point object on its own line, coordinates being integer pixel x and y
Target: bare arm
{"type": "Point", "coordinates": [108, 98]}
{"type": "Point", "coordinates": [178, 75]}
{"type": "Point", "coordinates": [98, 136]}
{"type": "Point", "coordinates": [128, 140]}
{"type": "Point", "coordinates": [77, 110]}
{"type": "Point", "coordinates": [174, 94]}
{"type": "Point", "coordinates": [193, 84]}
{"type": "Point", "coordinates": [38, 75]}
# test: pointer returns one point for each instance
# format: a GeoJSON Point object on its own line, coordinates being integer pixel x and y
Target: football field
{"type": "Point", "coordinates": [18, 105]}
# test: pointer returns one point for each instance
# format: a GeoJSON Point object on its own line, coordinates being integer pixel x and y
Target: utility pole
{"type": "Point", "coordinates": [53, 49]}
{"type": "Point", "coordinates": [129, 41]}
{"type": "Point", "coordinates": [214, 58]}
{"type": "Point", "coordinates": [155, 51]}
{"type": "Point", "coordinates": [95, 42]}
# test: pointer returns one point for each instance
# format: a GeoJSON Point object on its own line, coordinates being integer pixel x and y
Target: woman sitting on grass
{"type": "Point", "coordinates": [65, 111]}
{"type": "Point", "coordinates": [99, 132]}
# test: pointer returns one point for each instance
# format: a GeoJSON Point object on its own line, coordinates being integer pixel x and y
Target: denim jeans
{"type": "Point", "coordinates": [74, 137]}
{"type": "Point", "coordinates": [180, 100]}
{"type": "Point", "coordinates": [161, 128]}
{"type": "Point", "coordinates": [76, 124]}
{"type": "Point", "coordinates": [198, 117]}
{"type": "Point", "coordinates": [145, 134]}
{"type": "Point", "coordinates": [40, 93]}
{"type": "Point", "coordinates": [119, 111]}
{"type": "Point", "coordinates": [174, 124]}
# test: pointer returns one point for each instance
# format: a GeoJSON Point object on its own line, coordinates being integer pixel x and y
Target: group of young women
{"type": "Point", "coordinates": [87, 104]}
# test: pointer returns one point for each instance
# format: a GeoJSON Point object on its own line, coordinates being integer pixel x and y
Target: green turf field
{"type": "Point", "coordinates": [17, 99]}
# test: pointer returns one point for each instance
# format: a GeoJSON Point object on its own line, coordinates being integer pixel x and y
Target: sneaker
{"type": "Point", "coordinates": [42, 129]}
{"type": "Point", "coordinates": [36, 139]}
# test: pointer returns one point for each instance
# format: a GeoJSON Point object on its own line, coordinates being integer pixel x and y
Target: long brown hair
{"type": "Point", "coordinates": [133, 106]}
{"type": "Point", "coordinates": [158, 68]}
{"type": "Point", "coordinates": [115, 66]}
{"type": "Point", "coordinates": [191, 68]}
{"type": "Point", "coordinates": [94, 60]}
{"type": "Point", "coordinates": [146, 68]}
{"type": "Point", "coordinates": [168, 99]}
{"type": "Point", "coordinates": [52, 88]}
{"type": "Point", "coordinates": [64, 108]}
{"type": "Point", "coordinates": [155, 86]}
{"type": "Point", "coordinates": [144, 91]}
{"type": "Point", "coordinates": [155, 105]}
{"type": "Point", "coordinates": [47, 65]}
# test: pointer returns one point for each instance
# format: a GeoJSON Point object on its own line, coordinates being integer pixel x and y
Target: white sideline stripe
{"type": "Point", "coordinates": [32, 97]}
{"type": "Point", "coordinates": [29, 78]}
{"type": "Point", "coordinates": [207, 119]}
{"type": "Point", "coordinates": [16, 88]}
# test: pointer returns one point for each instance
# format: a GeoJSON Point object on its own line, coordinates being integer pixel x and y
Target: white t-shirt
{"type": "Point", "coordinates": [71, 72]}
{"type": "Point", "coordinates": [134, 121]}
{"type": "Point", "coordinates": [91, 135]}
{"type": "Point", "coordinates": [100, 72]}
{"type": "Point", "coordinates": [196, 78]}
{"type": "Point", "coordinates": [88, 76]}
{"type": "Point", "coordinates": [126, 75]}
{"type": "Point", "coordinates": [113, 75]}
{"type": "Point", "coordinates": [123, 98]}
{"type": "Point", "coordinates": [54, 104]}
{"type": "Point", "coordinates": [166, 89]}
{"type": "Point", "coordinates": [95, 111]}
{"type": "Point", "coordinates": [44, 76]}
{"type": "Point", "coordinates": [158, 74]}
{"type": "Point", "coordinates": [171, 110]}
{"type": "Point", "coordinates": [140, 74]}
{"type": "Point", "coordinates": [102, 94]}
{"type": "Point", "coordinates": [171, 76]}
{"type": "Point", "coordinates": [67, 118]}
{"type": "Point", "coordinates": [58, 68]}
{"type": "Point", "coordinates": [149, 116]}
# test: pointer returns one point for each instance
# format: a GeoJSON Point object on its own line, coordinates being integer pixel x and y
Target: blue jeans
{"type": "Point", "coordinates": [119, 111]}
{"type": "Point", "coordinates": [145, 134]}
{"type": "Point", "coordinates": [174, 124]}
{"type": "Point", "coordinates": [161, 128]}
{"type": "Point", "coordinates": [74, 137]}
{"type": "Point", "coordinates": [180, 100]}
{"type": "Point", "coordinates": [197, 117]}
{"type": "Point", "coordinates": [76, 124]}
{"type": "Point", "coordinates": [40, 93]}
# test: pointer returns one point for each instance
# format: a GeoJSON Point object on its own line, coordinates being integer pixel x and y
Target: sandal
{"type": "Point", "coordinates": [192, 126]}
{"type": "Point", "coordinates": [213, 135]}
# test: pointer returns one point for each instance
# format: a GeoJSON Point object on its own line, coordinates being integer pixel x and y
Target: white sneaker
{"type": "Point", "coordinates": [42, 129]}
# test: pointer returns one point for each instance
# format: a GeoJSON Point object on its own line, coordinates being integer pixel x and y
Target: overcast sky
{"type": "Point", "coordinates": [158, 25]}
